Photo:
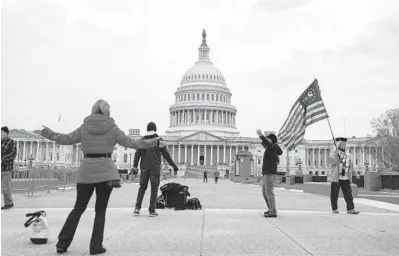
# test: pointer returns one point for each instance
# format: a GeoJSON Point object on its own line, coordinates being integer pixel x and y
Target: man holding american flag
{"type": "Point", "coordinates": [307, 110]}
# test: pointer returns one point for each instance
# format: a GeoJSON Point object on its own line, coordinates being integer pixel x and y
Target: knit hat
{"type": "Point", "coordinates": [5, 129]}
{"type": "Point", "coordinates": [341, 139]}
{"type": "Point", "coordinates": [151, 127]}
{"type": "Point", "coordinates": [272, 137]}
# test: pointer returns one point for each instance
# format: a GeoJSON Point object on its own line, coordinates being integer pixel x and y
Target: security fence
{"type": "Point", "coordinates": [35, 179]}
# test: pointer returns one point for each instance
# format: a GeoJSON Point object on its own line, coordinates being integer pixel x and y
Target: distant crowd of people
{"type": "Point", "coordinates": [98, 136]}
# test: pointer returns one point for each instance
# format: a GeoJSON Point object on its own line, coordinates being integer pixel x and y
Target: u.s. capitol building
{"type": "Point", "coordinates": [203, 132]}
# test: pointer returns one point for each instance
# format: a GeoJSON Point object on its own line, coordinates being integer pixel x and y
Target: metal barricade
{"type": "Point", "coordinates": [35, 179]}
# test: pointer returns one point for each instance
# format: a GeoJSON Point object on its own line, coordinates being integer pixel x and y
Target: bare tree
{"type": "Point", "coordinates": [386, 128]}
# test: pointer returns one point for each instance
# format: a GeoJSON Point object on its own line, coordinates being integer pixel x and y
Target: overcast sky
{"type": "Point", "coordinates": [59, 57]}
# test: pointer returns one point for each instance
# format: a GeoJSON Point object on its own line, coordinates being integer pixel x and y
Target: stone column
{"type": "Point", "coordinates": [24, 155]}
{"type": "Point", "coordinates": [37, 151]}
{"type": "Point", "coordinates": [47, 153]}
{"type": "Point", "coordinates": [224, 153]}
{"type": "Point", "coordinates": [217, 154]}
{"type": "Point", "coordinates": [192, 154]}
{"type": "Point", "coordinates": [185, 154]}
{"type": "Point", "coordinates": [54, 156]}
{"type": "Point", "coordinates": [173, 153]}
{"type": "Point", "coordinates": [230, 156]}
{"type": "Point", "coordinates": [31, 149]}
{"type": "Point", "coordinates": [205, 163]}
{"type": "Point", "coordinates": [18, 153]}
{"type": "Point", "coordinates": [363, 155]}
{"type": "Point", "coordinates": [198, 157]}
{"type": "Point", "coordinates": [179, 152]}
{"type": "Point", "coordinates": [325, 158]}
{"type": "Point", "coordinates": [211, 162]}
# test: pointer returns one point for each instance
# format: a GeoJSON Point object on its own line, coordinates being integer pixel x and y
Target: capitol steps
{"type": "Point", "coordinates": [197, 172]}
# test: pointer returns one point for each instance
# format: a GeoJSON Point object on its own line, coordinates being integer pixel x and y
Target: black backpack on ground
{"type": "Point", "coordinates": [194, 204]}
{"type": "Point", "coordinates": [173, 188]}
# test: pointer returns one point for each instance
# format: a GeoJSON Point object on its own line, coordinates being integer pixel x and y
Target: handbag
{"type": "Point", "coordinates": [39, 223]}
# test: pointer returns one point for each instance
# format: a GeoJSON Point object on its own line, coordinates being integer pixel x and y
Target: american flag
{"type": "Point", "coordinates": [308, 109]}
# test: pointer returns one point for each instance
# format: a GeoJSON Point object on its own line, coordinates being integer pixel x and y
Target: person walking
{"type": "Point", "coordinates": [8, 154]}
{"type": "Point", "coordinates": [216, 176]}
{"type": "Point", "coordinates": [341, 176]}
{"type": "Point", "coordinates": [150, 166]}
{"type": "Point", "coordinates": [98, 136]}
{"type": "Point", "coordinates": [269, 171]}
{"type": "Point", "coordinates": [205, 176]}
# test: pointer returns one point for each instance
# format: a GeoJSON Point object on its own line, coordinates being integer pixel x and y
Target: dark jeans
{"type": "Point", "coordinates": [206, 179]}
{"type": "Point", "coordinates": [216, 179]}
{"type": "Point", "coordinates": [84, 193]}
{"type": "Point", "coordinates": [346, 190]}
{"type": "Point", "coordinates": [154, 177]}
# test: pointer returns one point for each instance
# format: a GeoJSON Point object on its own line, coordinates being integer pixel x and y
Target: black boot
{"type": "Point", "coordinates": [61, 250]}
{"type": "Point", "coordinates": [97, 251]}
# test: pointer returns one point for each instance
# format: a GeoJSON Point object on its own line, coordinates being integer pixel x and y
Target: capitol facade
{"type": "Point", "coordinates": [203, 133]}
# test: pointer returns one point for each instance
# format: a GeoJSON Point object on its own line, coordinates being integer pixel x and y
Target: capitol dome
{"type": "Point", "coordinates": [203, 71]}
{"type": "Point", "coordinates": [203, 101]}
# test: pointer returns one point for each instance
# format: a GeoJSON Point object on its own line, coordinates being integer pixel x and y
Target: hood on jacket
{"type": "Point", "coordinates": [150, 135]}
{"type": "Point", "coordinates": [98, 123]}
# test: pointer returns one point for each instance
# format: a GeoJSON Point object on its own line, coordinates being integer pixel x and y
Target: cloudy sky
{"type": "Point", "coordinates": [59, 57]}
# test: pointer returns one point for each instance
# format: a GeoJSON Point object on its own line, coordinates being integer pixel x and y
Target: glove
{"type": "Point", "coordinates": [175, 169]}
{"type": "Point", "coordinates": [135, 170]}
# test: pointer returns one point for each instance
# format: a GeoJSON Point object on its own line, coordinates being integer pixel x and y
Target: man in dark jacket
{"type": "Point", "coordinates": [269, 171]}
{"type": "Point", "coordinates": [150, 166]}
{"type": "Point", "coordinates": [8, 154]}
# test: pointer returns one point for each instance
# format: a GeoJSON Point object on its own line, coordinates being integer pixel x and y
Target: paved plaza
{"type": "Point", "coordinates": [231, 223]}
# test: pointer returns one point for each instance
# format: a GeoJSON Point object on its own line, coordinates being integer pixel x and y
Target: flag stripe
{"type": "Point", "coordinates": [293, 138]}
{"type": "Point", "coordinates": [295, 106]}
{"type": "Point", "coordinates": [294, 119]}
{"type": "Point", "coordinates": [299, 112]}
{"type": "Point", "coordinates": [291, 116]}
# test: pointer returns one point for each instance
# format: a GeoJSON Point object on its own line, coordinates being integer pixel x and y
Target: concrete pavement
{"type": "Point", "coordinates": [231, 223]}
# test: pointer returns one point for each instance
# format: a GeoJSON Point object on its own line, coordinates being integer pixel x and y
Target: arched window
{"type": "Point", "coordinates": [125, 158]}
{"type": "Point", "coordinates": [217, 97]}
{"type": "Point", "coordinates": [184, 97]}
{"type": "Point", "coordinates": [193, 96]}
{"type": "Point", "coordinates": [198, 96]}
{"type": "Point", "coordinates": [203, 97]}
{"type": "Point", "coordinates": [213, 98]}
{"type": "Point", "coordinates": [207, 97]}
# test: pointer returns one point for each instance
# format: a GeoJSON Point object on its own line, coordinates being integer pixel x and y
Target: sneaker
{"type": "Point", "coordinates": [153, 214]}
{"type": "Point", "coordinates": [266, 212]}
{"type": "Point", "coordinates": [353, 211]}
{"type": "Point", "coordinates": [136, 211]}
{"type": "Point", "coordinates": [97, 251]}
{"type": "Point", "coordinates": [7, 206]}
{"type": "Point", "coordinates": [335, 211]}
{"type": "Point", "coordinates": [270, 215]}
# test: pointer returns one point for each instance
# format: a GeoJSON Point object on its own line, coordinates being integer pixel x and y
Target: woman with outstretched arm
{"type": "Point", "coordinates": [98, 135]}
